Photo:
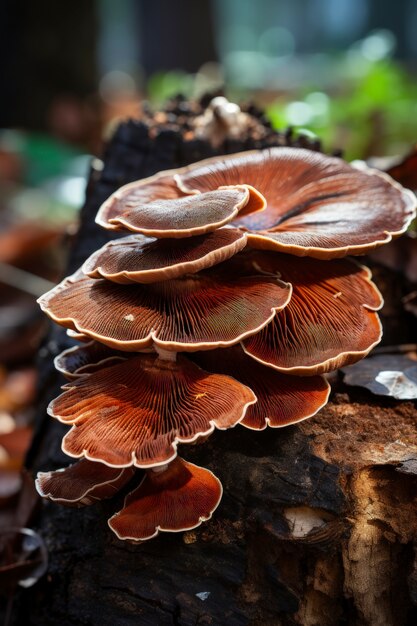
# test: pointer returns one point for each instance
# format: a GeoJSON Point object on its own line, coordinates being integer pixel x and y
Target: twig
{"type": "Point", "coordinates": [20, 279]}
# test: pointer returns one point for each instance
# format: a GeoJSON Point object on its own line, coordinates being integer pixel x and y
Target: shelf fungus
{"type": "Point", "coordinates": [225, 303]}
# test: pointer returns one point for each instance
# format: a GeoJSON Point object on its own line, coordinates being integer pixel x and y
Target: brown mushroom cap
{"type": "Point", "coordinates": [329, 322]}
{"type": "Point", "coordinates": [136, 412]}
{"type": "Point", "coordinates": [82, 483]}
{"type": "Point", "coordinates": [316, 205]}
{"type": "Point", "coordinates": [157, 187]}
{"type": "Point", "coordinates": [81, 360]}
{"type": "Point", "coordinates": [282, 399]}
{"type": "Point", "coordinates": [161, 186]}
{"type": "Point", "coordinates": [178, 499]}
{"type": "Point", "coordinates": [217, 307]}
{"type": "Point", "coordinates": [191, 215]}
{"type": "Point", "coordinates": [139, 259]}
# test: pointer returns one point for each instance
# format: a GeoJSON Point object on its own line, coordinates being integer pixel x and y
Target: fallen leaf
{"type": "Point", "coordinates": [385, 375]}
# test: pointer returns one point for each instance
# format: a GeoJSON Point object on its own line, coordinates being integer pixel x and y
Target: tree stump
{"type": "Point", "coordinates": [318, 521]}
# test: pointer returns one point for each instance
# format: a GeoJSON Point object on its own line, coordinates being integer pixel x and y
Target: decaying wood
{"type": "Point", "coordinates": [318, 523]}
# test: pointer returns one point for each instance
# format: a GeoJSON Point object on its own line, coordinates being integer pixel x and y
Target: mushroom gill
{"type": "Point", "coordinates": [179, 497]}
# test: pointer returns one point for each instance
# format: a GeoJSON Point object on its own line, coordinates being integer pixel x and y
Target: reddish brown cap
{"type": "Point", "coordinates": [317, 205]}
{"type": "Point", "coordinates": [216, 307]}
{"type": "Point", "coordinates": [329, 322]}
{"type": "Point", "coordinates": [81, 360]}
{"type": "Point", "coordinates": [161, 186]}
{"type": "Point", "coordinates": [177, 499]}
{"type": "Point", "coordinates": [136, 412]}
{"type": "Point", "coordinates": [83, 483]}
{"type": "Point", "coordinates": [140, 259]}
{"type": "Point", "coordinates": [282, 399]}
{"type": "Point", "coordinates": [191, 215]}
{"type": "Point", "coordinates": [130, 199]}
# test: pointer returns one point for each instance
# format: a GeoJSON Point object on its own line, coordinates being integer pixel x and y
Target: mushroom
{"type": "Point", "coordinates": [216, 307]}
{"type": "Point", "coordinates": [176, 497]}
{"type": "Point", "coordinates": [82, 483]}
{"type": "Point", "coordinates": [316, 205]}
{"type": "Point", "coordinates": [185, 282]}
{"type": "Point", "coordinates": [137, 411]}
{"type": "Point", "coordinates": [281, 399]}
{"type": "Point", "coordinates": [140, 259]}
{"type": "Point", "coordinates": [222, 120]}
{"type": "Point", "coordinates": [330, 321]}
{"type": "Point", "coordinates": [80, 360]}
{"type": "Point", "coordinates": [188, 216]}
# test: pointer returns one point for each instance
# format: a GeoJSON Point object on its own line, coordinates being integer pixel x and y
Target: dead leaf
{"type": "Point", "coordinates": [385, 375]}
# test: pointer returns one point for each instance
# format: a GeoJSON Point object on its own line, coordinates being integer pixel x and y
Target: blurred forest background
{"type": "Point", "coordinates": [341, 69]}
{"type": "Point", "coordinates": [344, 70]}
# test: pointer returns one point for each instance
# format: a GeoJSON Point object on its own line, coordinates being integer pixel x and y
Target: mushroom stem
{"type": "Point", "coordinates": [225, 111]}
{"type": "Point", "coordinates": [160, 468]}
{"type": "Point", "coordinates": [220, 120]}
{"type": "Point", "coordinates": [165, 355]}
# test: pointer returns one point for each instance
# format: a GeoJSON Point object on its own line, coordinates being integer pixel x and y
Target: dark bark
{"type": "Point", "coordinates": [317, 522]}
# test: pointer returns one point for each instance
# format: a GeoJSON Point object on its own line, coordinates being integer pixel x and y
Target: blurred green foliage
{"type": "Point", "coordinates": [164, 85]}
{"type": "Point", "coordinates": [369, 115]}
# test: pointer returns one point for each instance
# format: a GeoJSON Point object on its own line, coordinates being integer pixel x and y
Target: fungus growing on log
{"type": "Point", "coordinates": [213, 267]}
{"type": "Point", "coordinates": [193, 312]}
{"type": "Point", "coordinates": [82, 483]}
{"type": "Point", "coordinates": [140, 259]}
{"type": "Point", "coordinates": [137, 411]}
{"type": "Point", "coordinates": [176, 499]}
{"type": "Point", "coordinates": [281, 399]}
{"type": "Point", "coordinates": [330, 321]}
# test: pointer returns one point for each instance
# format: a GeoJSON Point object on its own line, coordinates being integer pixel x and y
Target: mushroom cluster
{"type": "Point", "coordinates": [226, 304]}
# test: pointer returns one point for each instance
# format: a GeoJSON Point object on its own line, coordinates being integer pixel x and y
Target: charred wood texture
{"type": "Point", "coordinates": [318, 522]}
